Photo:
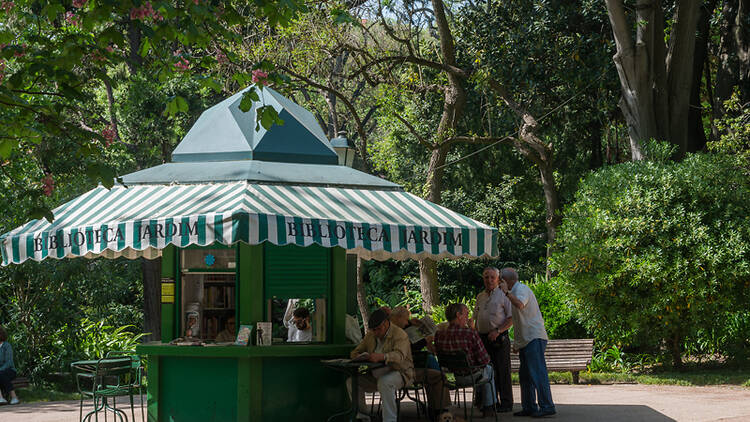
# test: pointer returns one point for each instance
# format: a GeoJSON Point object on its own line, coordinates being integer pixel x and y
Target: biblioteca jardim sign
{"type": "Point", "coordinates": [148, 232]}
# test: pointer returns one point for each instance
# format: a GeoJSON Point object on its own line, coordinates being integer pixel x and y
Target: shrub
{"type": "Point", "coordinates": [650, 254]}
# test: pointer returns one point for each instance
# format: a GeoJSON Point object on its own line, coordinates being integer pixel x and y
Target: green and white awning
{"type": "Point", "coordinates": [140, 220]}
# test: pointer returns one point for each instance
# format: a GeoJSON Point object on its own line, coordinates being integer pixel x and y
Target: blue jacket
{"type": "Point", "coordinates": [6, 357]}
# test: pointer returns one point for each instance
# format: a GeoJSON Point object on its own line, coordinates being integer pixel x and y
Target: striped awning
{"type": "Point", "coordinates": [140, 220]}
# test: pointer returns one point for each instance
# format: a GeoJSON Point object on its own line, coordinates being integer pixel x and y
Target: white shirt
{"type": "Point", "coordinates": [295, 334]}
{"type": "Point", "coordinates": [527, 322]}
{"type": "Point", "coordinates": [492, 310]}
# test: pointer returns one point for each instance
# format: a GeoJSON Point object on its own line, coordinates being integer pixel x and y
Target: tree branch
{"type": "Point", "coordinates": [413, 131]}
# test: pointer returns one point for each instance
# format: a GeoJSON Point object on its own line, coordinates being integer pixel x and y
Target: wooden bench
{"type": "Point", "coordinates": [20, 382]}
{"type": "Point", "coordinates": [571, 355]}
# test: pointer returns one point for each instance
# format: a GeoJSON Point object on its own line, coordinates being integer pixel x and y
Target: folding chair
{"type": "Point", "coordinates": [136, 384]}
{"type": "Point", "coordinates": [457, 362]}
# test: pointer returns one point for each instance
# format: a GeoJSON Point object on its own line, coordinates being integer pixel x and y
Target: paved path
{"type": "Point", "coordinates": [579, 403]}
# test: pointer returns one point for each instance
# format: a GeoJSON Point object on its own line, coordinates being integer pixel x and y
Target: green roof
{"type": "Point", "coordinates": [226, 133]}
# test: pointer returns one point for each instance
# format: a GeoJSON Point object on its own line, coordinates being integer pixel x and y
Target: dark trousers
{"type": "Point", "coordinates": [6, 376]}
{"type": "Point", "coordinates": [499, 351]}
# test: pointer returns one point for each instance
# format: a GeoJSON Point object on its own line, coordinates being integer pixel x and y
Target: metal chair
{"type": "Point", "coordinates": [457, 362]}
{"type": "Point", "coordinates": [103, 379]}
{"type": "Point", "coordinates": [137, 381]}
{"type": "Point", "coordinates": [420, 361]}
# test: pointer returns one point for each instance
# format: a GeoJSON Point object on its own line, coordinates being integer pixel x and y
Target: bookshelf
{"type": "Point", "coordinates": [209, 290]}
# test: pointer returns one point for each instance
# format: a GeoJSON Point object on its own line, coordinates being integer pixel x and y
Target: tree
{"type": "Point", "coordinates": [656, 78]}
{"type": "Point", "coordinates": [655, 253]}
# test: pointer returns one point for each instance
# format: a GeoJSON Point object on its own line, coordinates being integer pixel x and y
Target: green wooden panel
{"type": "Point", "coordinates": [301, 389]}
{"type": "Point", "coordinates": [250, 295]}
{"type": "Point", "coordinates": [168, 311]}
{"type": "Point", "coordinates": [152, 393]}
{"type": "Point", "coordinates": [295, 272]}
{"type": "Point", "coordinates": [339, 296]}
{"type": "Point", "coordinates": [196, 389]}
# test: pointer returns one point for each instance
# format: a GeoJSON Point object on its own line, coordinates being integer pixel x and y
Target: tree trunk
{"type": "Point", "coordinates": [655, 84]}
{"type": "Point", "coordinates": [675, 349]}
{"type": "Point", "coordinates": [680, 62]}
{"type": "Point", "coordinates": [362, 293]}
{"type": "Point", "coordinates": [151, 270]}
{"type": "Point", "coordinates": [134, 42]}
{"type": "Point", "coordinates": [696, 137]}
{"type": "Point", "coordinates": [428, 284]}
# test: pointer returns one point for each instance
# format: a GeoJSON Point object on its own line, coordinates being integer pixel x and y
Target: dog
{"type": "Point", "coordinates": [450, 417]}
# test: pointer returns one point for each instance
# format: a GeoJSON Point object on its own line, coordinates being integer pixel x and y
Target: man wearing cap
{"type": "Point", "coordinates": [494, 316]}
{"type": "Point", "coordinates": [389, 344]}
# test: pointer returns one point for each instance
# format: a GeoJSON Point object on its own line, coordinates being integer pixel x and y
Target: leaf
{"type": "Point", "coordinates": [7, 146]}
{"type": "Point", "coordinates": [182, 104]}
{"type": "Point", "coordinates": [247, 100]}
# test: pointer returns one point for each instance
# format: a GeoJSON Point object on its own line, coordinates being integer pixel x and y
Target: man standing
{"type": "Point", "coordinates": [530, 339]}
{"type": "Point", "coordinates": [386, 343]}
{"type": "Point", "coordinates": [493, 315]}
{"type": "Point", "coordinates": [459, 336]}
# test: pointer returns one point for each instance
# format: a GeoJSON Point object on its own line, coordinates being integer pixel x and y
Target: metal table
{"type": "Point", "coordinates": [352, 369]}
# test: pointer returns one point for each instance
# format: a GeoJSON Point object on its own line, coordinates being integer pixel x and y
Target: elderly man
{"type": "Point", "coordinates": [493, 315]}
{"type": "Point", "coordinates": [530, 339]}
{"type": "Point", "coordinates": [422, 334]}
{"type": "Point", "coordinates": [459, 336]}
{"type": "Point", "coordinates": [387, 343]}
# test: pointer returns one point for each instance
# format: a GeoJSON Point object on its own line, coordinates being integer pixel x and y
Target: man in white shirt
{"type": "Point", "coordinates": [530, 339]}
{"type": "Point", "coordinates": [493, 315]}
{"type": "Point", "coordinates": [299, 326]}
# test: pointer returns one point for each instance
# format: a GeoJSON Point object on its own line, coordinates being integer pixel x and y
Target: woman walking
{"type": "Point", "coordinates": [7, 369]}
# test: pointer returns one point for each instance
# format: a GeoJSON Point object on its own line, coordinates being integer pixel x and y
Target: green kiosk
{"type": "Point", "coordinates": [252, 225]}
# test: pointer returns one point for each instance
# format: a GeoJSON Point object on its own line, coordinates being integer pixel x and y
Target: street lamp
{"type": "Point", "coordinates": [344, 149]}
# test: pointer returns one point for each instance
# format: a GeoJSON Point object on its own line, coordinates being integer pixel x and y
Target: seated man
{"type": "Point", "coordinates": [299, 326]}
{"type": "Point", "coordinates": [459, 336]}
{"type": "Point", "coordinates": [228, 333]}
{"type": "Point", "coordinates": [389, 344]}
{"type": "Point", "coordinates": [438, 396]}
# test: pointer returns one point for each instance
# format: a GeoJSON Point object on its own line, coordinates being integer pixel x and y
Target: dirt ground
{"type": "Point", "coordinates": [581, 403]}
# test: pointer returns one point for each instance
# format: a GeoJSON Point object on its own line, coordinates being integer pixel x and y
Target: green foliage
{"type": "Point", "coordinates": [650, 254]}
{"type": "Point", "coordinates": [734, 128]}
{"type": "Point", "coordinates": [95, 339]}
{"type": "Point", "coordinates": [559, 317]}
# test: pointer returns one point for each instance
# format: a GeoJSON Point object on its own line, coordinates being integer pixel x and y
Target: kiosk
{"type": "Point", "coordinates": [250, 225]}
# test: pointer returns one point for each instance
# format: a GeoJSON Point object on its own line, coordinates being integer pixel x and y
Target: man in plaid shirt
{"type": "Point", "coordinates": [459, 336]}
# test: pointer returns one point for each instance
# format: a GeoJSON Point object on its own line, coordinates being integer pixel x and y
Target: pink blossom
{"type": "Point", "coordinates": [79, 3]}
{"type": "Point", "coordinates": [145, 11]}
{"type": "Point", "coordinates": [260, 77]}
{"type": "Point", "coordinates": [110, 49]}
{"type": "Point", "coordinates": [109, 134]}
{"type": "Point", "coordinates": [21, 51]}
{"type": "Point", "coordinates": [7, 6]}
{"type": "Point", "coordinates": [71, 18]}
{"type": "Point", "coordinates": [196, 2]}
{"type": "Point", "coordinates": [48, 184]}
{"type": "Point", "coordinates": [2, 70]}
{"type": "Point", "coordinates": [222, 58]}
{"type": "Point", "coordinates": [182, 64]}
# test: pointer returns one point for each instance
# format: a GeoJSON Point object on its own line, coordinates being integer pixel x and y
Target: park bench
{"type": "Point", "coordinates": [569, 355]}
{"type": "Point", "coordinates": [18, 382]}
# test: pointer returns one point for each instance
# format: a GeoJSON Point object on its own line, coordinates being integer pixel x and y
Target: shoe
{"type": "Point", "coordinates": [524, 413]}
{"type": "Point", "coordinates": [503, 409]}
{"type": "Point", "coordinates": [543, 413]}
{"type": "Point", "coordinates": [3, 401]}
{"type": "Point", "coordinates": [488, 411]}
{"type": "Point", "coordinates": [15, 400]}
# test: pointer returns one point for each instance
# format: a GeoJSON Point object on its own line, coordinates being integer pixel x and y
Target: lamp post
{"type": "Point", "coordinates": [344, 149]}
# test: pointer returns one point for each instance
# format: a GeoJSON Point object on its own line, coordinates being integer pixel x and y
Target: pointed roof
{"type": "Point", "coordinates": [226, 133]}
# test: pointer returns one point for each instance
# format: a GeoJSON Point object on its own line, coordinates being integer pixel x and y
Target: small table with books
{"type": "Point", "coordinates": [352, 368]}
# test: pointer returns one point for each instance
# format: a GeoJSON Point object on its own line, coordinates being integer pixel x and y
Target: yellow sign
{"type": "Point", "coordinates": [167, 289]}
{"type": "Point", "coordinates": [167, 299]}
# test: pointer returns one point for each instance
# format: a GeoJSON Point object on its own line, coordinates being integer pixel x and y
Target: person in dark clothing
{"type": "Point", "coordinates": [7, 369]}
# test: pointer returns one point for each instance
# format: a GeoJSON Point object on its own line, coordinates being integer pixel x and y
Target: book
{"type": "Point", "coordinates": [263, 334]}
{"type": "Point", "coordinates": [243, 335]}
{"type": "Point", "coordinates": [415, 333]}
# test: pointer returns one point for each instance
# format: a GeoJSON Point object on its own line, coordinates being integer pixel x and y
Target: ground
{"type": "Point", "coordinates": [580, 403]}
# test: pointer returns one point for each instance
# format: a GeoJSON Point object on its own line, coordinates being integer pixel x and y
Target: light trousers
{"type": "Point", "coordinates": [387, 385]}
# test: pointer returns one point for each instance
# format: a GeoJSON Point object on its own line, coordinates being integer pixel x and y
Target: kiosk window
{"type": "Point", "coordinates": [297, 320]}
